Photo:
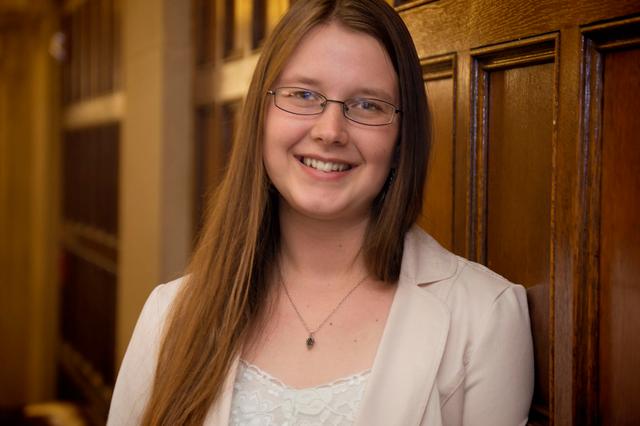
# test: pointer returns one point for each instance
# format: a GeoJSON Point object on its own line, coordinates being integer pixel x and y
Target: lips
{"type": "Point", "coordinates": [325, 166]}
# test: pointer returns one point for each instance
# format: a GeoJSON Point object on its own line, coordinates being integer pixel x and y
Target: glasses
{"type": "Point", "coordinates": [301, 101]}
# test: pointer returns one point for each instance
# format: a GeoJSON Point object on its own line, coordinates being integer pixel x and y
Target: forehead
{"type": "Point", "coordinates": [341, 62]}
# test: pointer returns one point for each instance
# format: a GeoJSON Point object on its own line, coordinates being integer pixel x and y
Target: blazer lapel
{"type": "Point", "coordinates": [404, 371]}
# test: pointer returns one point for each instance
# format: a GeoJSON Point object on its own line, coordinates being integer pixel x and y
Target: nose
{"type": "Point", "coordinates": [329, 126]}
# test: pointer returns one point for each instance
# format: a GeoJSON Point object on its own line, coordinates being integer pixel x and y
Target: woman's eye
{"type": "Point", "coordinates": [304, 95]}
{"type": "Point", "coordinates": [368, 105]}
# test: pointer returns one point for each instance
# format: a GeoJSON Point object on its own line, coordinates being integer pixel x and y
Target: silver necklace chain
{"type": "Point", "coordinates": [311, 340]}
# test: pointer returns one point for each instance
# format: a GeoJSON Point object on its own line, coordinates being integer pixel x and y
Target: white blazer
{"type": "Point", "coordinates": [456, 349]}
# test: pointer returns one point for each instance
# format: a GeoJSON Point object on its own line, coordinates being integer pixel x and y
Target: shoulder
{"type": "Point", "coordinates": [474, 297]}
{"type": "Point", "coordinates": [453, 279]}
{"type": "Point", "coordinates": [154, 313]}
{"type": "Point", "coordinates": [488, 316]}
{"type": "Point", "coordinates": [135, 378]}
{"type": "Point", "coordinates": [162, 297]}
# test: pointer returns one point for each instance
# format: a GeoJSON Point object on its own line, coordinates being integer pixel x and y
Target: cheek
{"type": "Point", "coordinates": [283, 129]}
{"type": "Point", "coordinates": [385, 147]}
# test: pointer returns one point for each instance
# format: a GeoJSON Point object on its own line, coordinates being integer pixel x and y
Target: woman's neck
{"type": "Point", "coordinates": [315, 251]}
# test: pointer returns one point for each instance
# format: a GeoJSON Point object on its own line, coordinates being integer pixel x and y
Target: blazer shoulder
{"type": "Point", "coordinates": [435, 268]}
{"type": "Point", "coordinates": [135, 378]}
{"type": "Point", "coordinates": [481, 282]}
{"type": "Point", "coordinates": [164, 294]}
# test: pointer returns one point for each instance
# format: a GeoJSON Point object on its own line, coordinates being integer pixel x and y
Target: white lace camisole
{"type": "Point", "coordinates": [261, 399]}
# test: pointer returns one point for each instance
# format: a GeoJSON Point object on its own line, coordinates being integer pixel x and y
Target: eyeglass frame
{"type": "Point", "coordinates": [323, 105]}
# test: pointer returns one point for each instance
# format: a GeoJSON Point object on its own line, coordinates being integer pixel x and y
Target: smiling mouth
{"type": "Point", "coordinates": [324, 166]}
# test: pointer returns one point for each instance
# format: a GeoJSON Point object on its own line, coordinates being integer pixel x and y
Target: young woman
{"type": "Point", "coordinates": [312, 298]}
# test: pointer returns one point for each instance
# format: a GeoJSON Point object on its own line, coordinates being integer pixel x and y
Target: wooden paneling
{"type": "Point", "coordinates": [437, 212]}
{"type": "Point", "coordinates": [88, 330]}
{"type": "Point", "coordinates": [512, 196]}
{"type": "Point", "coordinates": [89, 288]}
{"type": "Point", "coordinates": [606, 374]}
{"type": "Point", "coordinates": [90, 198]}
{"type": "Point", "coordinates": [215, 128]}
{"type": "Point", "coordinates": [620, 240]}
{"type": "Point", "coordinates": [204, 13]}
{"type": "Point", "coordinates": [229, 47]}
{"type": "Point", "coordinates": [258, 23]}
{"type": "Point", "coordinates": [90, 216]}
{"type": "Point", "coordinates": [91, 67]}
{"type": "Point", "coordinates": [89, 266]}
{"type": "Point", "coordinates": [90, 184]}
{"type": "Point", "coordinates": [608, 369]}
{"type": "Point", "coordinates": [408, 4]}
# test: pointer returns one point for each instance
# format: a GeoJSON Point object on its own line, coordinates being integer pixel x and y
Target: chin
{"type": "Point", "coordinates": [329, 211]}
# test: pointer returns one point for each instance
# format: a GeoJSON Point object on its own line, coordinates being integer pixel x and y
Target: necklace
{"type": "Point", "coordinates": [311, 340]}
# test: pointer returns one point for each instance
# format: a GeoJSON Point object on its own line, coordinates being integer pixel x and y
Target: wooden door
{"type": "Point", "coordinates": [534, 172]}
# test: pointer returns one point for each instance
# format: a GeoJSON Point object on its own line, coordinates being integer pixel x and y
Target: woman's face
{"type": "Point", "coordinates": [326, 166]}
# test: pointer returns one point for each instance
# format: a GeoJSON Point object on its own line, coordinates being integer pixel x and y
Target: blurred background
{"type": "Point", "coordinates": [117, 117]}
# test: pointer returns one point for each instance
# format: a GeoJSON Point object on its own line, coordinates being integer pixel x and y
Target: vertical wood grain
{"type": "Point", "coordinates": [438, 205]}
{"type": "Point", "coordinates": [519, 173]}
{"type": "Point", "coordinates": [620, 241]}
{"type": "Point", "coordinates": [518, 209]}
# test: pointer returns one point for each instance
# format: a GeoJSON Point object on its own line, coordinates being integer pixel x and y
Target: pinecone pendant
{"type": "Point", "coordinates": [310, 342]}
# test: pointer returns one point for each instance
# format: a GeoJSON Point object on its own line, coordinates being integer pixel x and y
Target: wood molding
{"type": "Point", "coordinates": [74, 244]}
{"type": "Point", "coordinates": [597, 40]}
{"type": "Point", "coordinates": [104, 109]}
{"type": "Point", "coordinates": [85, 376]}
{"type": "Point", "coordinates": [412, 4]}
{"type": "Point", "coordinates": [439, 74]}
{"type": "Point", "coordinates": [531, 51]}
{"type": "Point", "coordinates": [438, 67]}
{"type": "Point", "coordinates": [486, 61]}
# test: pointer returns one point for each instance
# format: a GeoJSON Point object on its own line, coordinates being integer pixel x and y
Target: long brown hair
{"type": "Point", "coordinates": [229, 273]}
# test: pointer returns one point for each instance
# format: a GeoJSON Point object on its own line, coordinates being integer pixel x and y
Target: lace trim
{"type": "Point", "coordinates": [261, 399]}
{"type": "Point", "coordinates": [352, 379]}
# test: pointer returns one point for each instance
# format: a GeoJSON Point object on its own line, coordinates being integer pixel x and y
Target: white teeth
{"type": "Point", "coordinates": [324, 166]}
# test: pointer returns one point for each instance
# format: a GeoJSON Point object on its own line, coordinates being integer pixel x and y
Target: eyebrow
{"type": "Point", "coordinates": [363, 91]}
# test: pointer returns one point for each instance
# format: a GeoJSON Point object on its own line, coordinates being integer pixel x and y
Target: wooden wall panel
{"type": "Point", "coordinates": [91, 67]}
{"type": "Point", "coordinates": [519, 173]}
{"type": "Point", "coordinates": [519, 195]}
{"type": "Point", "coordinates": [90, 212]}
{"type": "Point", "coordinates": [619, 344]}
{"type": "Point", "coordinates": [606, 374]}
{"type": "Point", "coordinates": [229, 46]}
{"type": "Point", "coordinates": [87, 331]}
{"type": "Point", "coordinates": [438, 205]}
{"type": "Point", "coordinates": [215, 127]}
{"type": "Point", "coordinates": [88, 287]}
{"type": "Point", "coordinates": [204, 14]}
{"type": "Point", "coordinates": [90, 181]}
{"type": "Point", "coordinates": [258, 23]}
{"type": "Point", "coordinates": [515, 88]}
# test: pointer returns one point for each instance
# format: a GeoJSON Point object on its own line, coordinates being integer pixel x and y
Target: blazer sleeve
{"type": "Point", "coordinates": [499, 377]}
{"type": "Point", "coordinates": [135, 378]}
